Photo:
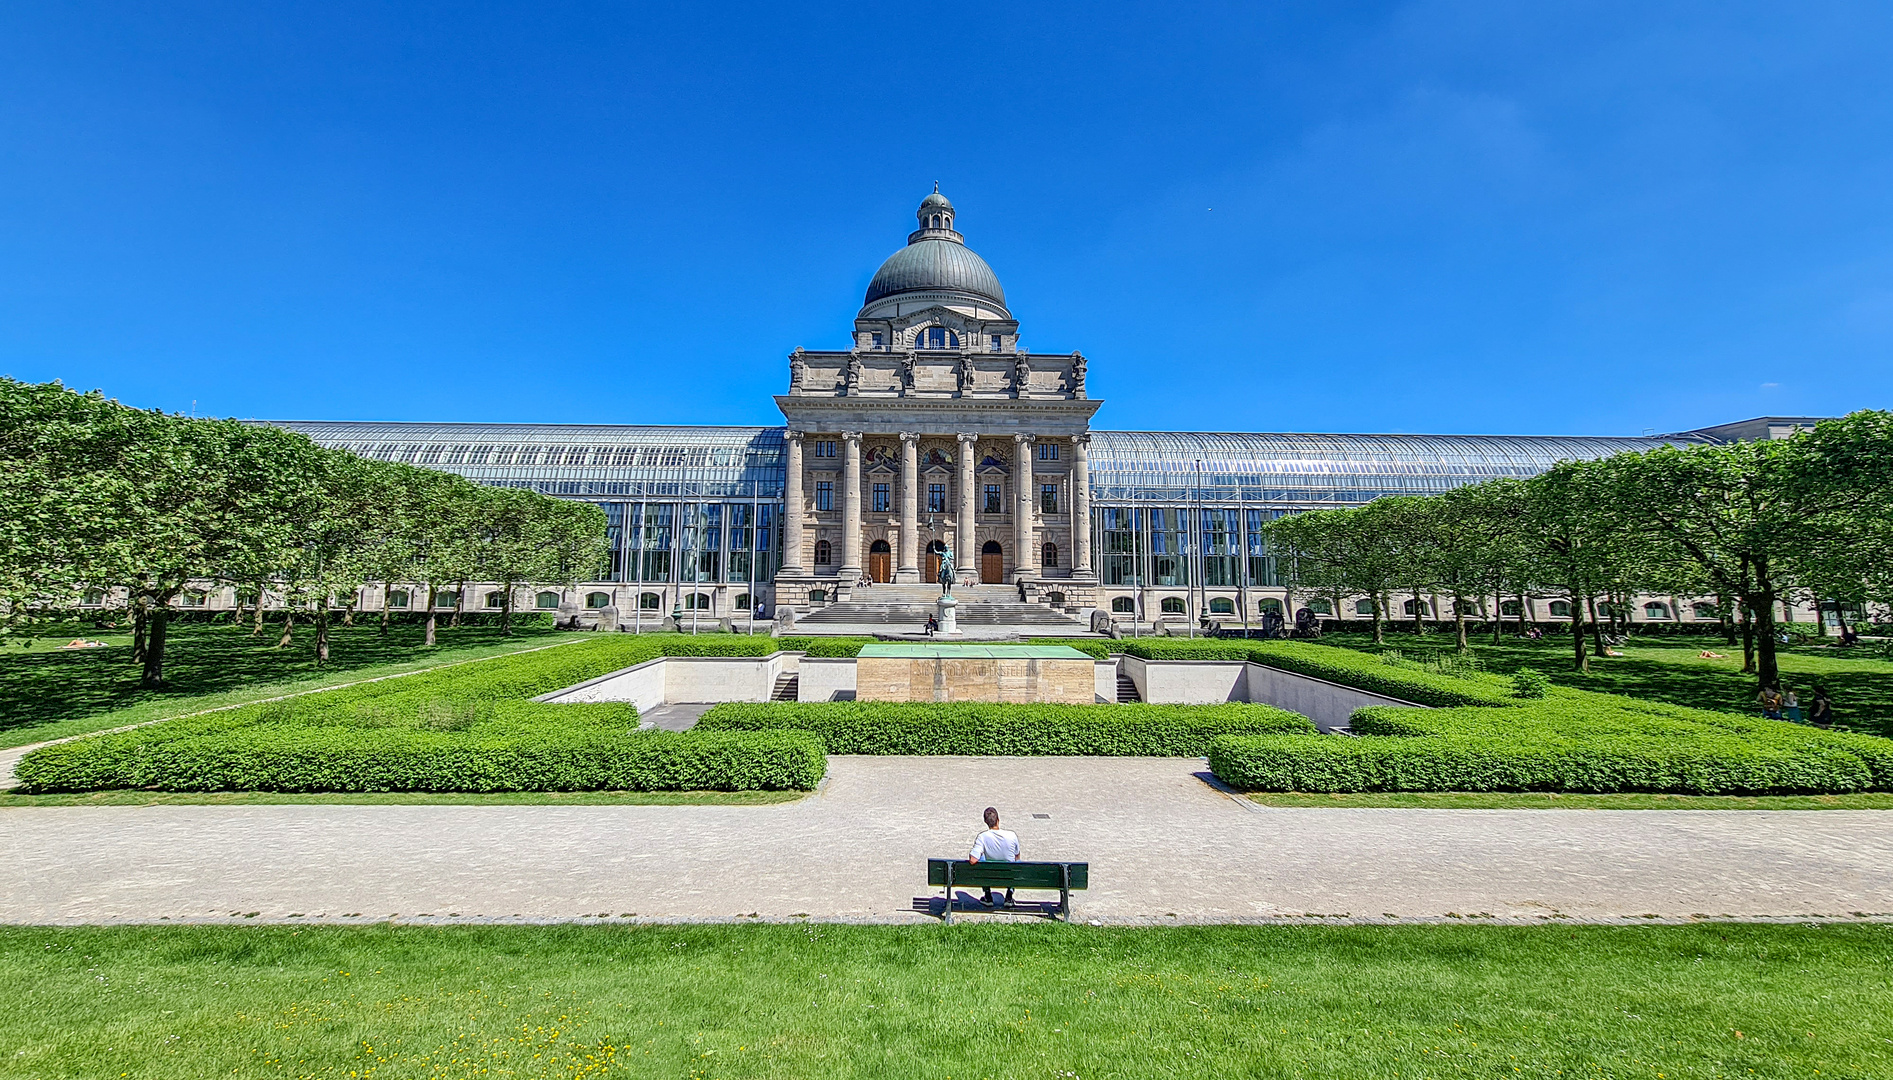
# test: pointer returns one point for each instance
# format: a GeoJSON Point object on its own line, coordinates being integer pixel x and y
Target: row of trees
{"type": "Point", "coordinates": [98, 495]}
{"type": "Point", "coordinates": [1749, 523]}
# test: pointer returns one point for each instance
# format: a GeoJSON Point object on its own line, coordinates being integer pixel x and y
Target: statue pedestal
{"type": "Point", "coordinates": [949, 615]}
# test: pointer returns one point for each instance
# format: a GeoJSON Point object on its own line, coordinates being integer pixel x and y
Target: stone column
{"type": "Point", "coordinates": [1024, 565]}
{"type": "Point", "coordinates": [792, 509]}
{"type": "Point", "coordinates": [964, 557]}
{"type": "Point", "coordinates": [850, 508]}
{"type": "Point", "coordinates": [909, 568]}
{"type": "Point", "coordinates": [1081, 505]}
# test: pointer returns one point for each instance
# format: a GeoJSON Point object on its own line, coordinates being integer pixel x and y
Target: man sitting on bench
{"type": "Point", "coordinates": [994, 845]}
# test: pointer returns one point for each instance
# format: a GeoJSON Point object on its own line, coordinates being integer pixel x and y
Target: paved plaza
{"type": "Point", "coordinates": [1164, 846]}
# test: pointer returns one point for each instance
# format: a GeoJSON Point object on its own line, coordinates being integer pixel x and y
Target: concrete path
{"type": "Point", "coordinates": [1164, 847]}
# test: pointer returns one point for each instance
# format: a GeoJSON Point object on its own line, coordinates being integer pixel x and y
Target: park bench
{"type": "Point", "coordinates": [1063, 876]}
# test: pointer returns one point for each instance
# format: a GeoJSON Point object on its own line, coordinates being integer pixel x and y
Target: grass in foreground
{"type": "Point", "coordinates": [1551, 800]}
{"type": "Point", "coordinates": [408, 798]}
{"type": "Point", "coordinates": [1717, 1000]}
{"type": "Point", "coordinates": [51, 694]}
{"type": "Point", "coordinates": [1669, 669]}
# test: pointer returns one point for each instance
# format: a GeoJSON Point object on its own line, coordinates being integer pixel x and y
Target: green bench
{"type": "Point", "coordinates": [1063, 876]}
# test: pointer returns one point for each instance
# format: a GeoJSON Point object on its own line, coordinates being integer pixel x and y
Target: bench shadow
{"type": "Point", "coordinates": [966, 902]}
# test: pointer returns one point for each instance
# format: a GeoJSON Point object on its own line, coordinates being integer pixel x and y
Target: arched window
{"type": "Point", "coordinates": [1407, 608]}
{"type": "Point", "coordinates": [191, 598]}
{"type": "Point", "coordinates": [495, 599]}
{"type": "Point", "coordinates": [546, 601]}
{"type": "Point", "coordinates": [936, 337]}
{"type": "Point", "coordinates": [818, 596]}
{"type": "Point", "coordinates": [1123, 605]}
{"type": "Point", "coordinates": [1471, 608]}
{"type": "Point", "coordinates": [1048, 556]}
{"type": "Point", "coordinates": [1320, 607]}
{"type": "Point", "coordinates": [1363, 607]}
{"type": "Point", "coordinates": [398, 598]}
{"type": "Point", "coordinates": [743, 601]}
{"type": "Point", "coordinates": [879, 547]}
{"type": "Point", "coordinates": [597, 600]}
{"type": "Point", "coordinates": [93, 598]}
{"type": "Point", "coordinates": [1705, 611]}
{"type": "Point", "coordinates": [1604, 611]}
{"type": "Point", "coordinates": [1510, 609]}
{"type": "Point", "coordinates": [1268, 604]}
{"type": "Point", "coordinates": [1560, 609]}
{"type": "Point", "coordinates": [445, 598]}
{"type": "Point", "coordinates": [1221, 605]}
{"type": "Point", "coordinates": [1655, 610]}
{"type": "Point", "coordinates": [1056, 599]}
{"type": "Point", "coordinates": [1172, 605]}
{"type": "Point", "coordinates": [650, 601]}
{"type": "Point", "coordinates": [697, 602]}
{"type": "Point", "coordinates": [823, 556]}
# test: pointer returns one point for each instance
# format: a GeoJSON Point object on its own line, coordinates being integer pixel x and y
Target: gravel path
{"type": "Point", "coordinates": [1164, 847]}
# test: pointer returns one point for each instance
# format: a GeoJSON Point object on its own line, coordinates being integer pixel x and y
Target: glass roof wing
{"type": "Point", "coordinates": [586, 460]}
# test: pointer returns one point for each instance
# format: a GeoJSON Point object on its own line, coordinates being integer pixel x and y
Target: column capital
{"type": "Point", "coordinates": [851, 436]}
{"type": "Point", "coordinates": [793, 436]}
{"type": "Point", "coordinates": [1083, 438]}
{"type": "Point", "coordinates": [1023, 437]}
{"type": "Point", "coordinates": [909, 438]}
{"type": "Point", "coordinates": [966, 436]}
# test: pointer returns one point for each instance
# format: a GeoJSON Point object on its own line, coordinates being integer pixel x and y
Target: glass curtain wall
{"type": "Point", "coordinates": [694, 542]}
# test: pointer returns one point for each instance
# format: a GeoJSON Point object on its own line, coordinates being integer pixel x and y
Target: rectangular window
{"type": "Point", "coordinates": [996, 342]}
{"type": "Point", "coordinates": [877, 339]}
{"type": "Point", "coordinates": [1048, 498]}
{"type": "Point", "coordinates": [881, 500]}
{"type": "Point", "coordinates": [825, 494]}
{"type": "Point", "coordinates": [936, 498]}
{"type": "Point", "coordinates": [1048, 451]}
{"type": "Point", "coordinates": [993, 504]}
{"type": "Point", "coordinates": [825, 448]}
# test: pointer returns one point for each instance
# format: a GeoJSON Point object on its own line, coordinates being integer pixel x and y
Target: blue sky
{"type": "Point", "coordinates": [1434, 216]}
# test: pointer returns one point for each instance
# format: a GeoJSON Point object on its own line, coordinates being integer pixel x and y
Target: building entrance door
{"type": "Point", "coordinates": [880, 562]}
{"type": "Point", "coordinates": [934, 551]}
{"type": "Point", "coordinates": [992, 564]}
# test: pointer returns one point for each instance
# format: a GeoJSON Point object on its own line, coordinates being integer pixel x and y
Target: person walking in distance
{"type": "Point", "coordinates": [995, 845]}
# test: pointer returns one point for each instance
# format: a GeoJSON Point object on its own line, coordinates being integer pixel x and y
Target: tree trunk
{"type": "Point", "coordinates": [385, 589]}
{"type": "Point", "coordinates": [433, 619]}
{"type": "Point", "coordinates": [506, 610]}
{"type": "Point", "coordinates": [460, 601]}
{"type": "Point", "coordinates": [322, 633]}
{"type": "Point", "coordinates": [1769, 673]}
{"type": "Point", "coordinates": [140, 625]}
{"type": "Point", "coordinates": [1459, 621]}
{"type": "Point", "coordinates": [1597, 628]}
{"type": "Point", "coordinates": [154, 648]}
{"type": "Point", "coordinates": [260, 596]}
{"type": "Point", "coordinates": [1577, 633]}
{"type": "Point", "coordinates": [1748, 639]}
{"type": "Point", "coordinates": [289, 627]}
{"type": "Point", "coordinates": [236, 614]}
{"type": "Point", "coordinates": [1380, 610]}
{"type": "Point", "coordinates": [1725, 612]}
{"type": "Point", "coordinates": [1419, 612]}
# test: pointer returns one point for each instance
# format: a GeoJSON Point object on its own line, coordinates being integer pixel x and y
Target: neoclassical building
{"type": "Point", "coordinates": [936, 429]}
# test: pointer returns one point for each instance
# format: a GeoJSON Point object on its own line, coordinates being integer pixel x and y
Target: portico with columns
{"type": "Point", "coordinates": [937, 427]}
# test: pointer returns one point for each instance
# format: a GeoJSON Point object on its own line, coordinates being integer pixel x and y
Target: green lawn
{"type": "Point", "coordinates": [48, 694]}
{"type": "Point", "coordinates": [1668, 669]}
{"type": "Point", "coordinates": [1553, 800]}
{"type": "Point", "coordinates": [1050, 1001]}
{"type": "Point", "coordinates": [412, 798]}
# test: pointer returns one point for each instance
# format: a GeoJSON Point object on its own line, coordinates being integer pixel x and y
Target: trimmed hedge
{"type": "Point", "coordinates": [882, 727]}
{"type": "Point", "coordinates": [1569, 740]}
{"type": "Point", "coordinates": [469, 727]}
{"type": "Point", "coordinates": [840, 647]}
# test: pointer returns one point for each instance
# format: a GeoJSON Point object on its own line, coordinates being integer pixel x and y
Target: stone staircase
{"type": "Point", "coordinates": [1126, 689]}
{"type": "Point", "coordinates": [906, 607]}
{"type": "Point", "coordinates": [787, 688]}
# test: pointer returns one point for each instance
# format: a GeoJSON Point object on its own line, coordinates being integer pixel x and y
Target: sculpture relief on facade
{"type": "Point", "coordinates": [1078, 374]}
{"type": "Point", "coordinates": [1022, 376]}
{"type": "Point", "coordinates": [852, 385]}
{"type": "Point", "coordinates": [798, 370]}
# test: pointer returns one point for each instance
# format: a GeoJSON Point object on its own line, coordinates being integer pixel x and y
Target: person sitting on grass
{"type": "Point", "coordinates": [995, 845]}
{"type": "Point", "coordinates": [1770, 699]}
{"type": "Point", "coordinates": [1820, 709]}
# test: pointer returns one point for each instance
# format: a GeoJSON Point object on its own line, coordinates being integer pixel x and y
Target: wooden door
{"type": "Point", "coordinates": [933, 567]}
{"type": "Point", "coordinates": [992, 564]}
{"type": "Point", "coordinates": [880, 562]}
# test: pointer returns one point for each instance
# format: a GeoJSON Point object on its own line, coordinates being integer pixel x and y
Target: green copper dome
{"type": "Point", "coordinates": [936, 259]}
{"type": "Point", "coordinates": [929, 265]}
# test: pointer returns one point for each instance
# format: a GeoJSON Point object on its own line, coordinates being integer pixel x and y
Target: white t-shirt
{"type": "Point", "coordinates": [995, 845]}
